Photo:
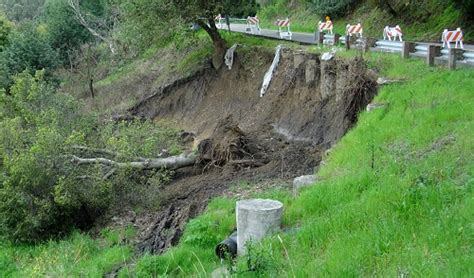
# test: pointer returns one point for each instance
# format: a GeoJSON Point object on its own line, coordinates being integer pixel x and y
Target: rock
{"type": "Point", "coordinates": [221, 272]}
{"type": "Point", "coordinates": [303, 181]}
{"type": "Point", "coordinates": [385, 81]}
{"type": "Point", "coordinates": [373, 106]}
{"type": "Point", "coordinates": [298, 59]}
{"type": "Point", "coordinates": [310, 72]}
{"type": "Point", "coordinates": [327, 56]}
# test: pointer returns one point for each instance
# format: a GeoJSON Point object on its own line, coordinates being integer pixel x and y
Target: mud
{"type": "Point", "coordinates": [308, 107]}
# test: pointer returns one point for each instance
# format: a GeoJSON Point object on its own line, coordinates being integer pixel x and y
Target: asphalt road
{"type": "Point", "coordinates": [306, 38]}
{"type": "Point", "coordinates": [296, 36]}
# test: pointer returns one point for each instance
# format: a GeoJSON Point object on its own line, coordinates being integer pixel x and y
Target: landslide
{"type": "Point", "coordinates": [309, 106]}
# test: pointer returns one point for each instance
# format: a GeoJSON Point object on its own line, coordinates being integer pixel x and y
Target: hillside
{"type": "Point", "coordinates": [80, 196]}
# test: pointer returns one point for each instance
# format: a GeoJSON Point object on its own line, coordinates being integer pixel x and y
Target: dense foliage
{"type": "Point", "coordinates": [28, 49]}
{"type": "Point", "coordinates": [43, 193]}
{"type": "Point", "coordinates": [20, 10]}
{"type": "Point", "coordinates": [5, 28]}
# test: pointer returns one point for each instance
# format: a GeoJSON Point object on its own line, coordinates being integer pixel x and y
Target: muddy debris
{"type": "Point", "coordinates": [239, 136]}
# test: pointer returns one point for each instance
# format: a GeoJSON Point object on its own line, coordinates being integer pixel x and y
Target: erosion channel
{"type": "Point", "coordinates": [310, 104]}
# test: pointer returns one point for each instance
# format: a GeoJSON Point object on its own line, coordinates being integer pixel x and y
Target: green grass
{"type": "Point", "coordinates": [77, 256]}
{"type": "Point", "coordinates": [396, 196]}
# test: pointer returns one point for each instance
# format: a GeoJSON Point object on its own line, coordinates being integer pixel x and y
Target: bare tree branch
{"type": "Point", "coordinates": [74, 4]}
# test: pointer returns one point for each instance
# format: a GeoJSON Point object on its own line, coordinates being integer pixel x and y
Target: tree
{"type": "Point", "coordinates": [60, 168]}
{"type": "Point", "coordinates": [68, 27]}
{"type": "Point", "coordinates": [21, 10]}
{"type": "Point", "coordinates": [27, 50]}
{"type": "Point", "coordinates": [5, 28]}
{"type": "Point", "coordinates": [100, 23]}
{"type": "Point", "coordinates": [174, 12]}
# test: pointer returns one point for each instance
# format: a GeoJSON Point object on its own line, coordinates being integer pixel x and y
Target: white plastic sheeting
{"type": "Point", "coordinates": [229, 56]}
{"type": "Point", "coordinates": [269, 75]}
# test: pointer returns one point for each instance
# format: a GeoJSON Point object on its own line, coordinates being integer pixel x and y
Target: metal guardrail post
{"type": "Point", "coordinates": [407, 47]}
{"type": "Point", "coordinates": [336, 39]}
{"type": "Point", "coordinates": [433, 51]}
{"type": "Point", "coordinates": [452, 57]}
{"type": "Point", "coordinates": [318, 36]}
{"type": "Point", "coordinates": [369, 43]}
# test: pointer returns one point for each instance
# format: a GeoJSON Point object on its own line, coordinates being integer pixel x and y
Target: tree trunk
{"type": "Point", "coordinates": [220, 46]}
{"type": "Point", "coordinates": [172, 162]}
{"type": "Point", "coordinates": [91, 87]}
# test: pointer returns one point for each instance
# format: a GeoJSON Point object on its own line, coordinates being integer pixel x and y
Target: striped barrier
{"type": "Point", "coordinates": [326, 26]}
{"type": "Point", "coordinates": [219, 20]}
{"type": "Point", "coordinates": [452, 36]}
{"type": "Point", "coordinates": [392, 32]}
{"type": "Point", "coordinates": [354, 29]}
{"type": "Point", "coordinates": [285, 23]}
{"type": "Point", "coordinates": [253, 25]}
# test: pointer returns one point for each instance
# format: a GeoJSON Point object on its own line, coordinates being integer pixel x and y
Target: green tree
{"type": "Point", "coordinates": [21, 10]}
{"type": "Point", "coordinates": [5, 29]}
{"type": "Point", "coordinates": [27, 49]}
{"type": "Point", "coordinates": [45, 190]}
{"type": "Point", "coordinates": [65, 33]}
{"type": "Point", "coordinates": [35, 125]}
{"type": "Point", "coordinates": [182, 12]}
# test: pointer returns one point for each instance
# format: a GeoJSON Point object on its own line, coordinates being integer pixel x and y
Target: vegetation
{"type": "Point", "coordinates": [395, 196]}
{"type": "Point", "coordinates": [43, 192]}
{"type": "Point", "coordinates": [78, 256]}
{"type": "Point", "coordinates": [20, 10]}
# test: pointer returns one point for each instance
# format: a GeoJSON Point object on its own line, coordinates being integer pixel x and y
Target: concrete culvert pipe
{"type": "Point", "coordinates": [228, 247]}
{"type": "Point", "coordinates": [256, 219]}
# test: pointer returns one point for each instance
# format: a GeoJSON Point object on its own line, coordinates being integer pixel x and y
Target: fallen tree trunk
{"type": "Point", "coordinates": [172, 162]}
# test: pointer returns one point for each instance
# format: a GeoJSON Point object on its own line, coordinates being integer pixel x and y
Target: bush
{"type": "Point", "coordinates": [27, 50]}
{"type": "Point", "coordinates": [332, 7]}
{"type": "Point", "coordinates": [5, 28]}
{"type": "Point", "coordinates": [36, 125]}
{"type": "Point", "coordinates": [42, 192]}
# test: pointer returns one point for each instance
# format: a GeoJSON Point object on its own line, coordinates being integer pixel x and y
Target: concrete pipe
{"type": "Point", "coordinates": [256, 219]}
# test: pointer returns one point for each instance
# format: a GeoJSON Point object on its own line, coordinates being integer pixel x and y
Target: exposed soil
{"type": "Point", "coordinates": [308, 107]}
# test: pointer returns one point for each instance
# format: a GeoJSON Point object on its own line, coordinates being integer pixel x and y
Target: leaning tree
{"type": "Point", "coordinates": [204, 13]}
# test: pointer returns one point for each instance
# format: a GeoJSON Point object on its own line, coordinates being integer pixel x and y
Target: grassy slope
{"type": "Point", "coordinates": [411, 213]}
{"type": "Point", "coordinates": [78, 256]}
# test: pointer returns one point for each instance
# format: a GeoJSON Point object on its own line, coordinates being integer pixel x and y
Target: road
{"type": "Point", "coordinates": [306, 38]}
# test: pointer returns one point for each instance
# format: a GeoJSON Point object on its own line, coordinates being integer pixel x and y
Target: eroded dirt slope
{"type": "Point", "coordinates": [309, 105]}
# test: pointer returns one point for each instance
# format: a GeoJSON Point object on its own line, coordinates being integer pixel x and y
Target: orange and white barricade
{"type": "Point", "coordinates": [453, 36]}
{"type": "Point", "coordinates": [284, 23]}
{"type": "Point", "coordinates": [392, 32]}
{"type": "Point", "coordinates": [354, 29]}
{"type": "Point", "coordinates": [218, 19]}
{"type": "Point", "coordinates": [253, 25]}
{"type": "Point", "coordinates": [325, 26]}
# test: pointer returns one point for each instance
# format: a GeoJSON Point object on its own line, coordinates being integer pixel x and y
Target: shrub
{"type": "Point", "coordinates": [27, 50]}
{"type": "Point", "coordinates": [42, 192]}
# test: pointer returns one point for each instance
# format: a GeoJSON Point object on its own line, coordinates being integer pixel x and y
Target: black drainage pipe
{"type": "Point", "coordinates": [228, 247]}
